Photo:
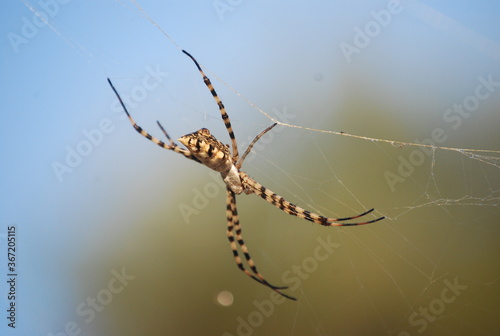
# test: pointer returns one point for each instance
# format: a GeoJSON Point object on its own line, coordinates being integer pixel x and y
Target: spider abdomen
{"type": "Point", "coordinates": [206, 148]}
{"type": "Point", "coordinates": [215, 155]}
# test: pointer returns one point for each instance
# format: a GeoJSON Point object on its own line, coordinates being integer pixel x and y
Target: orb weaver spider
{"type": "Point", "coordinates": [204, 148]}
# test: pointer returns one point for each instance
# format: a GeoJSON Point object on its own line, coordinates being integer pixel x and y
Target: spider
{"type": "Point", "coordinates": [204, 148]}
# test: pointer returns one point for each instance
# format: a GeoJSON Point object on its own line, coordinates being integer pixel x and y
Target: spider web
{"type": "Point", "coordinates": [417, 272]}
{"type": "Point", "coordinates": [344, 143]}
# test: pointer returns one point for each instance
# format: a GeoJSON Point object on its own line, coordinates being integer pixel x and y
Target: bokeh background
{"type": "Point", "coordinates": [116, 236]}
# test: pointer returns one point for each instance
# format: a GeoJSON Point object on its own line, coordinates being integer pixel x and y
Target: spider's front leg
{"type": "Point", "coordinates": [235, 238]}
{"type": "Point", "coordinates": [294, 210]}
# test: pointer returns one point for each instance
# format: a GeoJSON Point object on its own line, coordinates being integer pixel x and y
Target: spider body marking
{"type": "Point", "coordinates": [204, 148]}
{"type": "Point", "coordinates": [215, 155]}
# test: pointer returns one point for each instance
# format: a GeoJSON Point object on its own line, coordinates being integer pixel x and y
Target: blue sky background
{"type": "Point", "coordinates": [120, 206]}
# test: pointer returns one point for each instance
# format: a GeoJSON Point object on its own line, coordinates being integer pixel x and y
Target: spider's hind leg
{"type": "Point", "coordinates": [148, 136]}
{"type": "Point", "coordinates": [166, 134]}
{"type": "Point", "coordinates": [222, 109]}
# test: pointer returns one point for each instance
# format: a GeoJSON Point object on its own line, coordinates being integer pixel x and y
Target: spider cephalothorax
{"type": "Point", "coordinates": [204, 148]}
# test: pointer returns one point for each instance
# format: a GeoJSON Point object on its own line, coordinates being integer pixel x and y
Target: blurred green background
{"type": "Point", "coordinates": [128, 239]}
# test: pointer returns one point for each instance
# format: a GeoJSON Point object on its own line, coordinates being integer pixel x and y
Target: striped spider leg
{"type": "Point", "coordinates": [204, 148]}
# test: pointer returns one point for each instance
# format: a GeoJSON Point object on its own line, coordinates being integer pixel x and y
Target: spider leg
{"type": "Point", "coordinates": [173, 146]}
{"type": "Point", "coordinates": [234, 236]}
{"type": "Point", "coordinates": [295, 210]}
{"type": "Point", "coordinates": [240, 162]}
{"type": "Point", "coordinates": [222, 109]}
{"type": "Point", "coordinates": [166, 134]}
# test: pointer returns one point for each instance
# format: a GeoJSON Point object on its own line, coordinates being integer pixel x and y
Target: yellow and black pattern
{"type": "Point", "coordinates": [204, 148]}
{"type": "Point", "coordinates": [235, 238]}
{"type": "Point", "coordinates": [294, 210]}
{"type": "Point", "coordinates": [173, 146]}
{"type": "Point", "coordinates": [222, 109]}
